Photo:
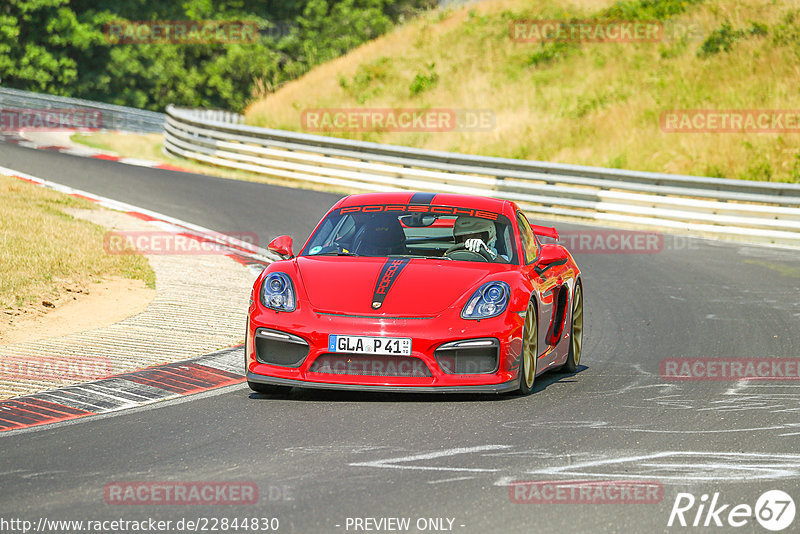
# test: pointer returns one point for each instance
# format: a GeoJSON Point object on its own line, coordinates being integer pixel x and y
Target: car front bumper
{"type": "Point", "coordinates": [427, 333]}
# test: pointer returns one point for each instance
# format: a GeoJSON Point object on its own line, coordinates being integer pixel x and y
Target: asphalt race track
{"type": "Point", "coordinates": [321, 459]}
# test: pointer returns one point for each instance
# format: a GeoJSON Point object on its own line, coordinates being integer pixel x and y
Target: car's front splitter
{"type": "Point", "coordinates": [481, 388]}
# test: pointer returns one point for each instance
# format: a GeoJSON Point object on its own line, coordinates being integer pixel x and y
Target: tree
{"type": "Point", "coordinates": [73, 56]}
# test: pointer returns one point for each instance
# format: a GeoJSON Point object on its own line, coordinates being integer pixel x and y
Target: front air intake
{"type": "Point", "coordinates": [280, 348]}
{"type": "Point", "coordinates": [469, 357]}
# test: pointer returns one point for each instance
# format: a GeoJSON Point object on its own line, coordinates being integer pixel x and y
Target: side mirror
{"type": "Point", "coordinates": [551, 254]}
{"type": "Point", "coordinates": [282, 246]}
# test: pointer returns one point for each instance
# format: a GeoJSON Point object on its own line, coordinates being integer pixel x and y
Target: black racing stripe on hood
{"type": "Point", "coordinates": [422, 198]}
{"type": "Point", "coordinates": [389, 273]}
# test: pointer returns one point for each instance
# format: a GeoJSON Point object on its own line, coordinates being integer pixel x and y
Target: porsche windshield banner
{"type": "Point", "coordinates": [412, 208]}
{"type": "Point", "coordinates": [389, 273]}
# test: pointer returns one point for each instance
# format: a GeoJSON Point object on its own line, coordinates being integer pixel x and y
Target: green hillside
{"type": "Point", "coordinates": [577, 102]}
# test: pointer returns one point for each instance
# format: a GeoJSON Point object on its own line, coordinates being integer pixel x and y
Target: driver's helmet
{"type": "Point", "coordinates": [467, 227]}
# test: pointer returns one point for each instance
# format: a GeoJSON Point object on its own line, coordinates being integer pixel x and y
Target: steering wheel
{"type": "Point", "coordinates": [460, 251]}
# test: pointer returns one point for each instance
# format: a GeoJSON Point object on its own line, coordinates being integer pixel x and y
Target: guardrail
{"type": "Point", "coordinates": [756, 211]}
{"type": "Point", "coordinates": [112, 117]}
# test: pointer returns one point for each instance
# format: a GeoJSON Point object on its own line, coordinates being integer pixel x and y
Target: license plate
{"type": "Point", "coordinates": [398, 346]}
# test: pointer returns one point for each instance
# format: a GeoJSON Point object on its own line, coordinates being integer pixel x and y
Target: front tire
{"type": "Point", "coordinates": [576, 332]}
{"type": "Point", "coordinates": [530, 351]}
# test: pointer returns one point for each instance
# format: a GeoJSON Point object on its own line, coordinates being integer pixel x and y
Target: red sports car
{"type": "Point", "coordinates": [416, 292]}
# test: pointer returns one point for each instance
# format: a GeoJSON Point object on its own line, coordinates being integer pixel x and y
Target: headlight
{"type": "Point", "coordinates": [277, 292]}
{"type": "Point", "coordinates": [490, 300]}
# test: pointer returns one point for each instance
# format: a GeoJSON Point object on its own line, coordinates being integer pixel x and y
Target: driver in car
{"type": "Point", "coordinates": [476, 234]}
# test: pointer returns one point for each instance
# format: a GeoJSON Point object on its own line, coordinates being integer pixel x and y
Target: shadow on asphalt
{"type": "Point", "coordinates": [329, 395]}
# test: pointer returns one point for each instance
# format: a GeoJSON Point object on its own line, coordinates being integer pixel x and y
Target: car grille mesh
{"type": "Point", "coordinates": [276, 352]}
{"type": "Point", "coordinates": [365, 365]}
{"type": "Point", "coordinates": [468, 361]}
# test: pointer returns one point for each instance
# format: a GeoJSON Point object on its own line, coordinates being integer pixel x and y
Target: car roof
{"type": "Point", "coordinates": [441, 199]}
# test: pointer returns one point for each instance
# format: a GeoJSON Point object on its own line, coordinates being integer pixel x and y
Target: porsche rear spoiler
{"type": "Point", "coordinates": [545, 231]}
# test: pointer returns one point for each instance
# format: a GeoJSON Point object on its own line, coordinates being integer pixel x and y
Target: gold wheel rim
{"type": "Point", "coordinates": [529, 347]}
{"type": "Point", "coordinates": [577, 325]}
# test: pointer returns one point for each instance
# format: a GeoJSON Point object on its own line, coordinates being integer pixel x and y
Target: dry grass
{"type": "Point", "coordinates": [593, 104]}
{"type": "Point", "coordinates": [141, 146]}
{"type": "Point", "coordinates": [46, 254]}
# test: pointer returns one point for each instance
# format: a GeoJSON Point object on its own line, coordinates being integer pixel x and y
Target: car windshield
{"type": "Point", "coordinates": [437, 232]}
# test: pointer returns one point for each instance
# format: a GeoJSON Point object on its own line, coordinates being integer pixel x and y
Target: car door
{"type": "Point", "coordinates": [546, 287]}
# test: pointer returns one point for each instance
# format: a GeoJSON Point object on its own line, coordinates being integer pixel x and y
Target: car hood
{"type": "Point", "coordinates": [422, 287]}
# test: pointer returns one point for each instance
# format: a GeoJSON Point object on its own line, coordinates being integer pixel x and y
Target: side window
{"type": "Point", "coordinates": [344, 229]}
{"type": "Point", "coordinates": [529, 246]}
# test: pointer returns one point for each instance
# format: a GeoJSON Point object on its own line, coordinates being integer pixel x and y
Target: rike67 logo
{"type": "Point", "coordinates": [774, 510]}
